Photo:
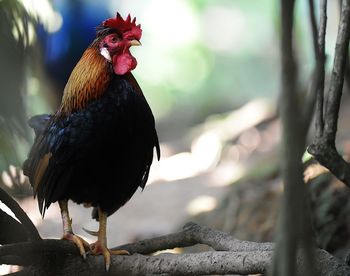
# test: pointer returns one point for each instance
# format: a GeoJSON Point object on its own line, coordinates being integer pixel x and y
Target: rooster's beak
{"type": "Point", "coordinates": [135, 42]}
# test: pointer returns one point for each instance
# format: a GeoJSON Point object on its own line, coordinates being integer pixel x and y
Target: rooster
{"type": "Point", "coordinates": [97, 148]}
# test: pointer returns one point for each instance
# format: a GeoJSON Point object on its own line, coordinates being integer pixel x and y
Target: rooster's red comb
{"type": "Point", "coordinates": [126, 27]}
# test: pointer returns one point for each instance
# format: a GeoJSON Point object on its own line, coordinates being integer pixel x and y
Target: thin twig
{"type": "Point", "coordinates": [320, 71]}
{"type": "Point", "coordinates": [32, 232]}
{"type": "Point", "coordinates": [347, 73]}
{"type": "Point", "coordinates": [315, 96]}
{"type": "Point", "coordinates": [347, 69]}
{"type": "Point", "coordinates": [313, 26]}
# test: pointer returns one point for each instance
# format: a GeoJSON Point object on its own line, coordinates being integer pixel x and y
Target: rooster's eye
{"type": "Point", "coordinates": [114, 39]}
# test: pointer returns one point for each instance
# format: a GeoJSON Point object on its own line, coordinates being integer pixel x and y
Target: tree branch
{"type": "Point", "coordinates": [294, 229]}
{"type": "Point", "coordinates": [205, 263]}
{"type": "Point", "coordinates": [320, 69]}
{"type": "Point", "coordinates": [32, 232]}
{"type": "Point", "coordinates": [336, 84]}
{"type": "Point", "coordinates": [317, 84]}
{"type": "Point", "coordinates": [11, 230]}
{"type": "Point", "coordinates": [24, 272]}
{"type": "Point", "coordinates": [313, 26]}
{"type": "Point", "coordinates": [58, 257]}
{"type": "Point", "coordinates": [193, 234]}
{"type": "Point", "coordinates": [323, 148]}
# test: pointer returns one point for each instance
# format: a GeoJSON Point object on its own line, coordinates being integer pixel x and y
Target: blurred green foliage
{"type": "Point", "coordinates": [15, 28]}
{"type": "Point", "coordinates": [228, 56]}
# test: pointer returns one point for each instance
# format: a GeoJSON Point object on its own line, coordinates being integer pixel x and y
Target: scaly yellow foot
{"type": "Point", "coordinates": [78, 241]}
{"type": "Point", "coordinates": [68, 232]}
{"type": "Point", "coordinates": [98, 248]}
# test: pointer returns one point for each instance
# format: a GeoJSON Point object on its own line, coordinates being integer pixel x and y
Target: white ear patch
{"type": "Point", "coordinates": [104, 52]}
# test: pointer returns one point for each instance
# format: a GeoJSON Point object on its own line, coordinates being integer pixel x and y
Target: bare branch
{"type": "Point", "coordinates": [11, 230]}
{"type": "Point", "coordinates": [170, 241]}
{"type": "Point", "coordinates": [294, 222]}
{"type": "Point", "coordinates": [39, 247]}
{"type": "Point", "coordinates": [240, 257]}
{"type": "Point", "coordinates": [32, 232]}
{"type": "Point", "coordinates": [313, 26]}
{"type": "Point", "coordinates": [194, 234]}
{"type": "Point", "coordinates": [320, 69]}
{"type": "Point", "coordinates": [323, 148]}
{"type": "Point", "coordinates": [317, 85]}
{"type": "Point", "coordinates": [347, 66]}
{"type": "Point", "coordinates": [205, 263]}
{"type": "Point", "coordinates": [347, 73]}
{"type": "Point", "coordinates": [191, 235]}
{"type": "Point", "coordinates": [337, 79]}
{"type": "Point", "coordinates": [24, 272]}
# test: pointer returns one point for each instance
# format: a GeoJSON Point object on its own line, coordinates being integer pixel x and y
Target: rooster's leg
{"type": "Point", "coordinates": [100, 246]}
{"type": "Point", "coordinates": [67, 229]}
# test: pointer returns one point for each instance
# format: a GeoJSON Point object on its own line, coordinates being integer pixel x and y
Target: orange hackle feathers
{"type": "Point", "coordinates": [88, 80]}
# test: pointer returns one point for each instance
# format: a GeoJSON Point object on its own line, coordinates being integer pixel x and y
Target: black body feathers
{"type": "Point", "coordinates": [98, 155]}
